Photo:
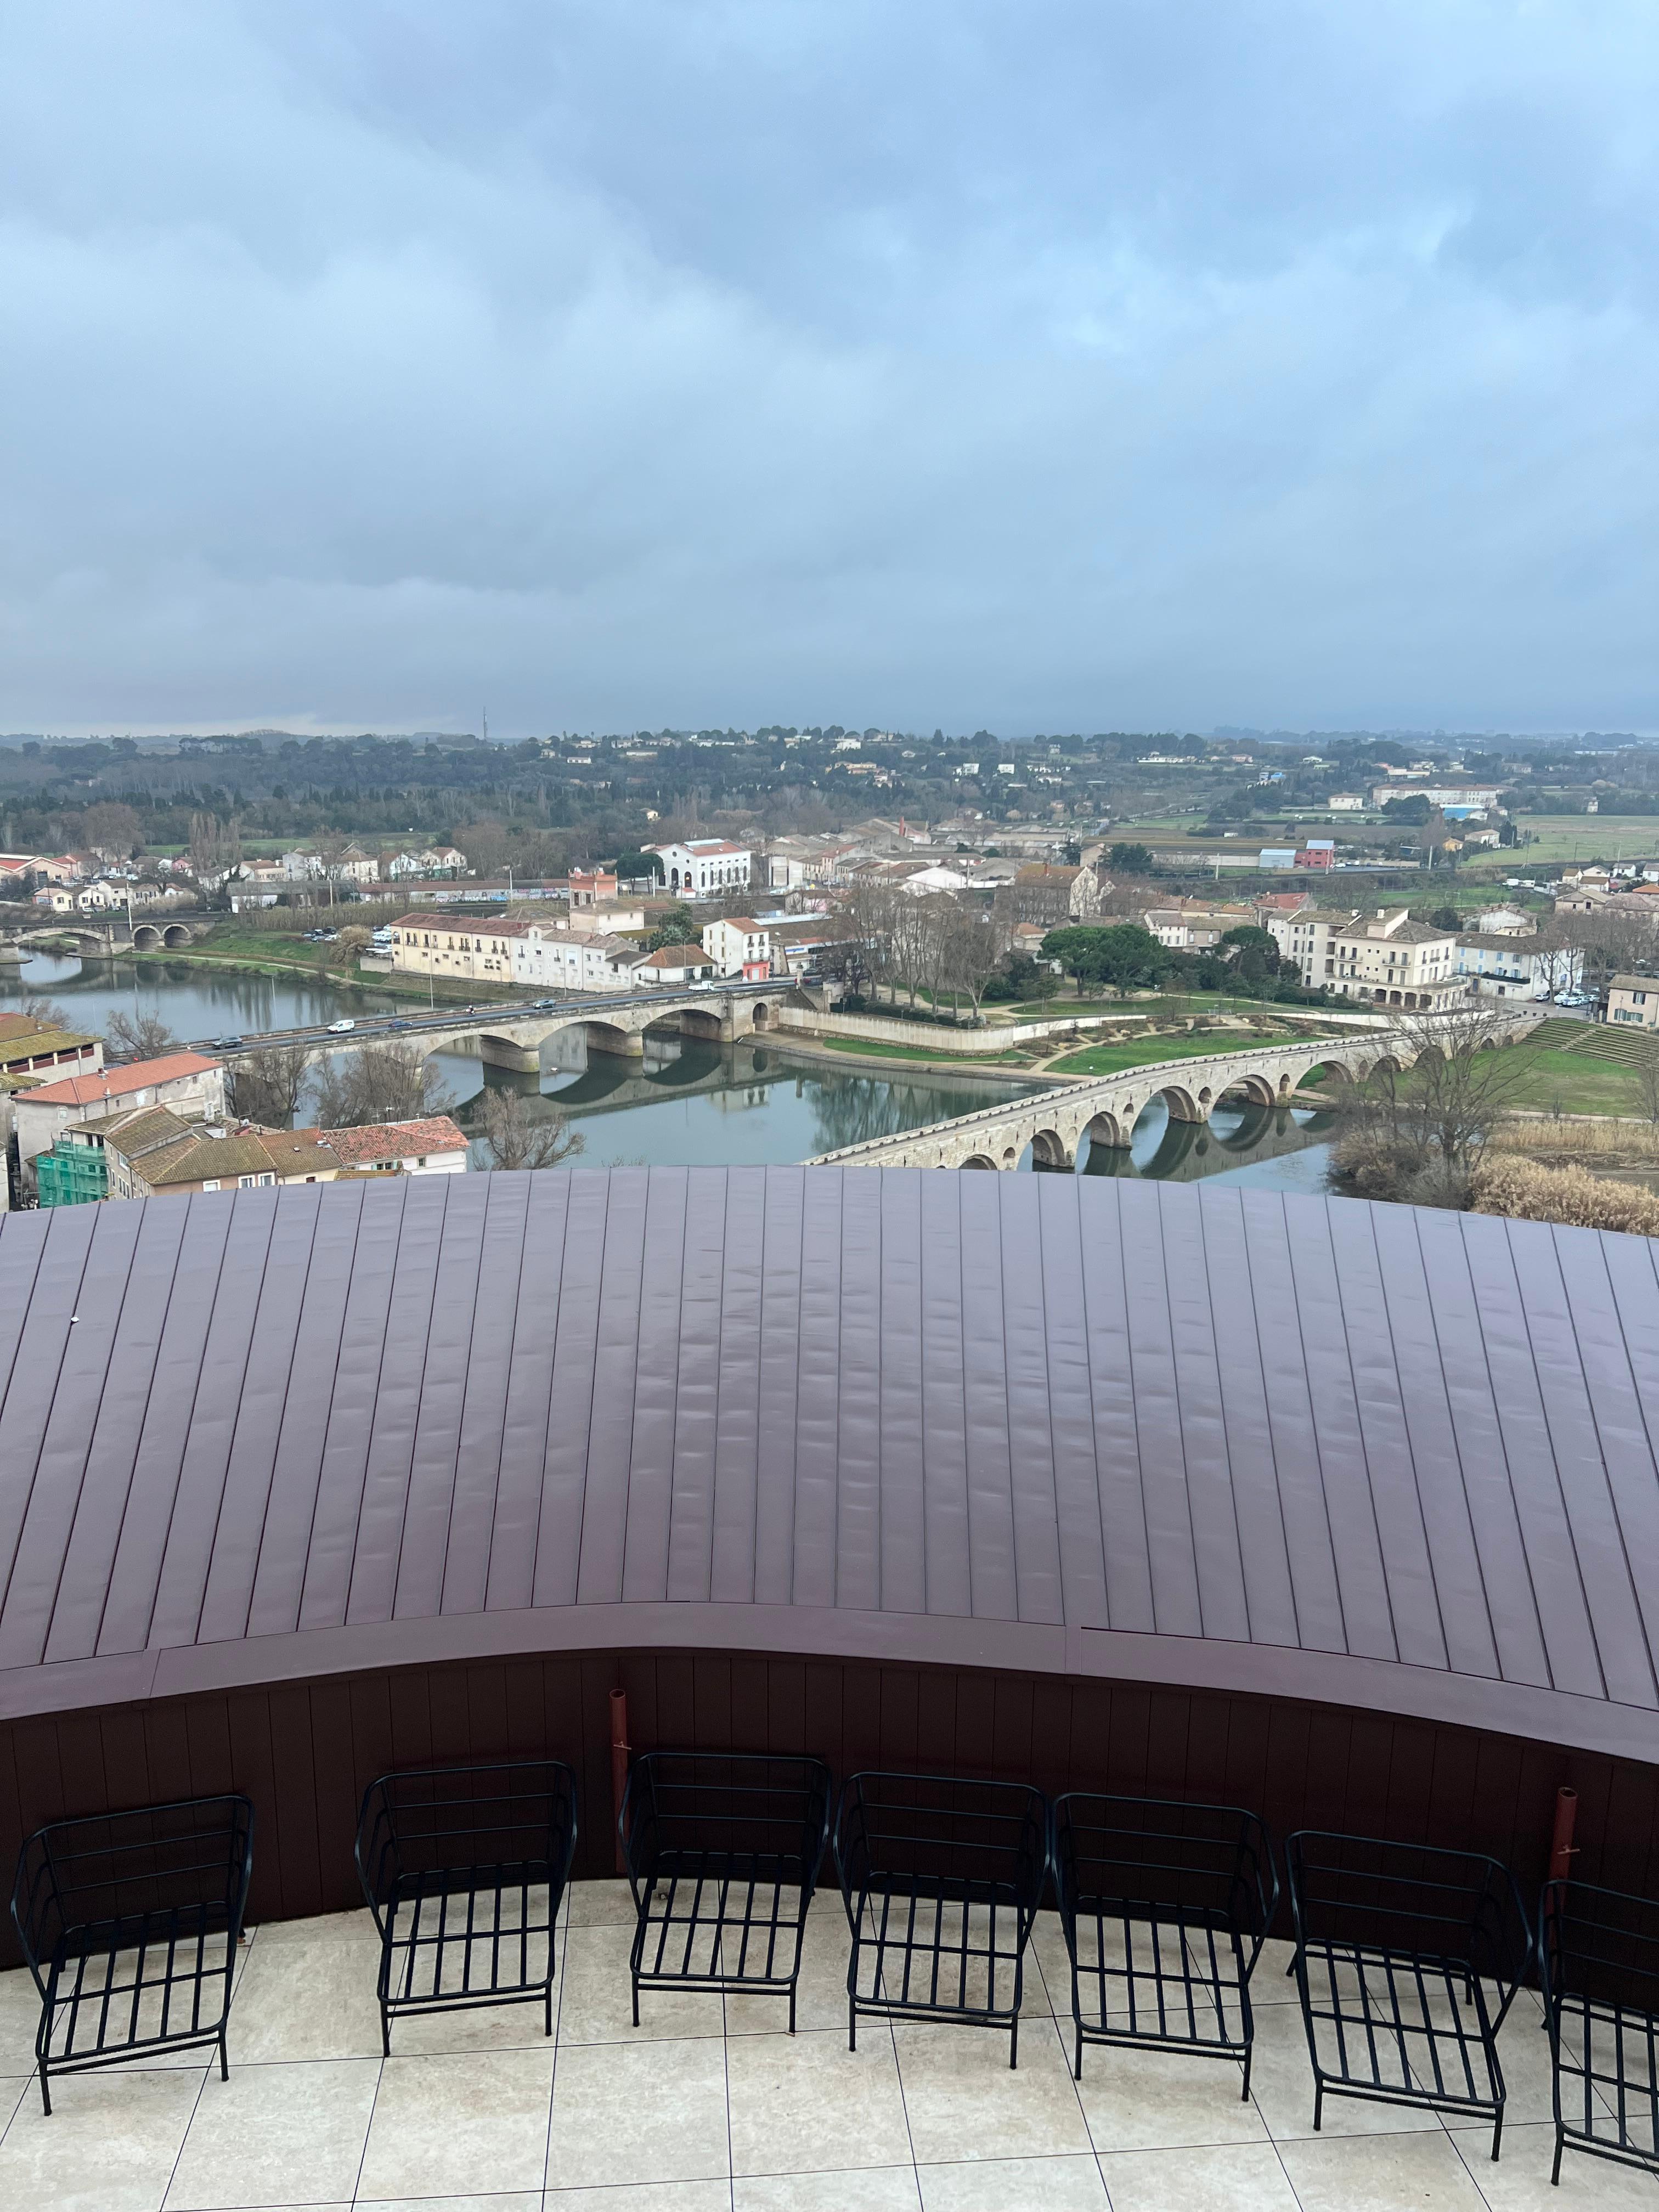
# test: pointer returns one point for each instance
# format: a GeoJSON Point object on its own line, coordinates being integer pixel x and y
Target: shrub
{"type": "Point", "coordinates": [1526, 1191]}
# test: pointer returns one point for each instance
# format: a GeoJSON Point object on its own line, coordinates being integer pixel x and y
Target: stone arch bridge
{"type": "Point", "coordinates": [1103, 1109]}
{"type": "Point", "coordinates": [610, 1024]}
{"type": "Point", "coordinates": [164, 934]}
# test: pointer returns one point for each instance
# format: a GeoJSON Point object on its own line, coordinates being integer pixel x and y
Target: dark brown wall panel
{"type": "Point", "coordinates": [305, 1751]}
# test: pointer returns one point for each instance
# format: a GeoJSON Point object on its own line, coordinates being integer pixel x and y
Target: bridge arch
{"type": "Point", "coordinates": [1106, 1132]}
{"type": "Point", "coordinates": [979, 1160]}
{"type": "Point", "coordinates": [145, 935]}
{"type": "Point", "coordinates": [1048, 1150]}
{"type": "Point", "coordinates": [1182, 1106]}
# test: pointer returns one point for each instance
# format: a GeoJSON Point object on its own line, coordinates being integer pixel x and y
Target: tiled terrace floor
{"type": "Point", "coordinates": [712, 2108]}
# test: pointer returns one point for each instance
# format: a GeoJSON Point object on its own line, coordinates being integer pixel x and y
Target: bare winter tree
{"type": "Point", "coordinates": [44, 1012]}
{"type": "Point", "coordinates": [516, 1137]}
{"type": "Point", "coordinates": [1418, 1134]}
{"type": "Point", "coordinates": [868, 910]}
{"type": "Point", "coordinates": [379, 1083]}
{"type": "Point", "coordinates": [138, 1037]}
{"type": "Point", "coordinates": [973, 948]}
{"type": "Point", "coordinates": [267, 1086]}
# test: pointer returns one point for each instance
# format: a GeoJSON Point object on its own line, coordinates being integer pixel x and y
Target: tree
{"type": "Point", "coordinates": [350, 944]}
{"type": "Point", "coordinates": [1253, 952]}
{"type": "Point", "coordinates": [1412, 810]}
{"type": "Point", "coordinates": [516, 1136]}
{"type": "Point", "coordinates": [138, 1037]}
{"type": "Point", "coordinates": [1123, 955]}
{"type": "Point", "coordinates": [1420, 1135]}
{"type": "Point", "coordinates": [215, 846]}
{"type": "Point", "coordinates": [46, 1013]}
{"type": "Point", "coordinates": [378, 1082]}
{"type": "Point", "coordinates": [679, 926]}
{"type": "Point", "coordinates": [631, 867]}
{"type": "Point", "coordinates": [1131, 860]}
{"type": "Point", "coordinates": [267, 1086]}
{"type": "Point", "coordinates": [970, 954]}
{"type": "Point", "coordinates": [113, 827]}
{"type": "Point", "coordinates": [1445, 917]}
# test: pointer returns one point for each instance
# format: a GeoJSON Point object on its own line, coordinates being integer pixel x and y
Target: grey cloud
{"type": "Point", "coordinates": [1045, 366]}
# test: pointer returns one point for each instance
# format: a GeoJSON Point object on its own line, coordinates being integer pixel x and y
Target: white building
{"type": "Point", "coordinates": [704, 866]}
{"type": "Point", "coordinates": [739, 947]}
{"type": "Point", "coordinates": [533, 956]}
{"type": "Point", "coordinates": [673, 964]}
{"type": "Point", "coordinates": [1305, 938]}
{"type": "Point", "coordinates": [1633, 1001]}
{"type": "Point", "coordinates": [558, 958]}
{"type": "Point", "coordinates": [433, 1146]}
{"type": "Point", "coordinates": [1392, 960]}
{"type": "Point", "coordinates": [1501, 964]}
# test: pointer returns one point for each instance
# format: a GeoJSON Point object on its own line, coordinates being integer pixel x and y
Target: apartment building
{"type": "Point", "coordinates": [434, 1145]}
{"type": "Point", "coordinates": [1193, 928]}
{"type": "Point", "coordinates": [157, 1152]}
{"type": "Point", "coordinates": [189, 1082]}
{"type": "Point", "coordinates": [1303, 934]}
{"type": "Point", "coordinates": [1390, 960]}
{"type": "Point", "coordinates": [739, 945]}
{"type": "Point", "coordinates": [1506, 964]}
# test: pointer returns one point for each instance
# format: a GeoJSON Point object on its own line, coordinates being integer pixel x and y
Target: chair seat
{"type": "Point", "coordinates": [147, 1978]}
{"type": "Point", "coordinates": [1607, 2079]}
{"type": "Point", "coordinates": [1402, 2026]}
{"type": "Point", "coordinates": [1173, 1976]}
{"type": "Point", "coordinates": [721, 1918]}
{"type": "Point", "coordinates": [932, 1945]}
{"type": "Point", "coordinates": [455, 1934]}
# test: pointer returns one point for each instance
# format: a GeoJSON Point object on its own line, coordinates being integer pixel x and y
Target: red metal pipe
{"type": "Point", "coordinates": [1563, 1850]}
{"type": "Point", "coordinates": [619, 1749]}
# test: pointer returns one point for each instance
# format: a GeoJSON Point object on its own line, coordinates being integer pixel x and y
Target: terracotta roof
{"type": "Point", "coordinates": [116, 1082]}
{"type": "Point", "coordinates": [399, 1141]}
{"type": "Point", "coordinates": [26, 1044]}
{"type": "Point", "coordinates": [676, 955]}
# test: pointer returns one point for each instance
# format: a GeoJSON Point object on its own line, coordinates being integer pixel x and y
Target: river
{"type": "Point", "coordinates": [685, 1102]}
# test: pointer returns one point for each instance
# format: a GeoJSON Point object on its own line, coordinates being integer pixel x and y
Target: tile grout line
{"type": "Point", "coordinates": [725, 2077]}
{"type": "Point", "coordinates": [558, 2029]}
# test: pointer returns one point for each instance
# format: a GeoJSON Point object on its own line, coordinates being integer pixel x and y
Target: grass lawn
{"type": "Point", "coordinates": [1112, 1059]}
{"type": "Point", "coordinates": [1580, 1083]}
{"type": "Point", "coordinates": [873, 1049]}
{"type": "Point", "coordinates": [1575, 837]}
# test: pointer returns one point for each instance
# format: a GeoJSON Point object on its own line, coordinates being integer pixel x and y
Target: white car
{"type": "Point", "coordinates": [339, 1029]}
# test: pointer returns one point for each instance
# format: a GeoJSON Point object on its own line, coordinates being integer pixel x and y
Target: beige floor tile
{"type": "Point", "coordinates": [963, 2100]}
{"type": "Point", "coordinates": [356, 1926]}
{"type": "Point", "coordinates": [638, 2112]}
{"type": "Point", "coordinates": [109, 2146]}
{"type": "Point", "coordinates": [307, 1998]}
{"type": "Point", "coordinates": [1016, 2184]}
{"type": "Point", "coordinates": [599, 1904]}
{"type": "Point", "coordinates": [1272, 1983]}
{"type": "Point", "coordinates": [870, 2189]}
{"type": "Point", "coordinates": [806, 2104]}
{"type": "Point", "coordinates": [1519, 2181]}
{"type": "Point", "coordinates": [1282, 2086]}
{"type": "Point", "coordinates": [275, 2131]}
{"type": "Point", "coordinates": [1229, 2178]}
{"type": "Point", "coordinates": [442, 2126]}
{"type": "Point", "coordinates": [20, 2015]}
{"type": "Point", "coordinates": [1381, 2173]}
{"type": "Point", "coordinates": [515, 2200]}
{"type": "Point", "coordinates": [646, 2197]}
{"type": "Point", "coordinates": [821, 1992]}
{"type": "Point", "coordinates": [1163, 2099]}
{"type": "Point", "coordinates": [597, 2001]}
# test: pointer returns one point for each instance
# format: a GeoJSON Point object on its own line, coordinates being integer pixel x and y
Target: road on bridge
{"type": "Point", "coordinates": [379, 1028]}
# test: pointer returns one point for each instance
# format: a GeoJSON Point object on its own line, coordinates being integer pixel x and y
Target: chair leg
{"type": "Point", "coordinates": [385, 2032]}
{"type": "Point", "coordinates": [1555, 2170]}
{"type": "Point", "coordinates": [637, 2000]}
{"type": "Point", "coordinates": [792, 2007]}
{"type": "Point", "coordinates": [1496, 2132]}
{"type": "Point", "coordinates": [1013, 2042]}
{"type": "Point", "coordinates": [224, 2059]}
{"type": "Point", "coordinates": [547, 2029]}
{"type": "Point", "coordinates": [852, 2024]}
{"type": "Point", "coordinates": [1249, 2053]}
{"type": "Point", "coordinates": [1077, 2068]}
{"type": "Point", "coordinates": [45, 2099]}
{"type": "Point", "coordinates": [1319, 2103]}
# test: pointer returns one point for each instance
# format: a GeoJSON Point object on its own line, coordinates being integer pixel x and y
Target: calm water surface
{"type": "Point", "coordinates": [689, 1103]}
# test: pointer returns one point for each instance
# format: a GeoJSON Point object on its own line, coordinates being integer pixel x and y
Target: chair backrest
{"type": "Point", "coordinates": [1600, 1945]}
{"type": "Point", "coordinates": [1154, 1854]}
{"type": "Point", "coordinates": [773, 1806]}
{"type": "Point", "coordinates": [942, 1827]}
{"type": "Point", "coordinates": [111, 1867]}
{"type": "Point", "coordinates": [433, 1819]}
{"type": "Point", "coordinates": [1456, 1905]}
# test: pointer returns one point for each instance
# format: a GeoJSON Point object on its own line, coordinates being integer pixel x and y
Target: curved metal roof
{"type": "Point", "coordinates": [1222, 1437]}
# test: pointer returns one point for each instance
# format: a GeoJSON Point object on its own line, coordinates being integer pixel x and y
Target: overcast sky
{"type": "Point", "coordinates": [615, 362]}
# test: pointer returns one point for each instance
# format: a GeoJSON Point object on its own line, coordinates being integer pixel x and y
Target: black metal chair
{"type": "Point", "coordinates": [130, 1923]}
{"type": "Point", "coordinates": [722, 1851]}
{"type": "Point", "coordinates": [941, 1877]}
{"type": "Point", "coordinates": [1396, 1947]}
{"type": "Point", "coordinates": [1599, 1959]}
{"type": "Point", "coordinates": [463, 1869]}
{"type": "Point", "coordinates": [1165, 1907]}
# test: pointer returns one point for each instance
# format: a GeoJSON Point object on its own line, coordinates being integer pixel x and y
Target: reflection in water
{"type": "Point", "coordinates": [685, 1102]}
{"type": "Point", "coordinates": [1243, 1140]}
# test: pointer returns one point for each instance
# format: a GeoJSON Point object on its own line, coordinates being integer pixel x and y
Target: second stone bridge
{"type": "Point", "coordinates": [1103, 1109]}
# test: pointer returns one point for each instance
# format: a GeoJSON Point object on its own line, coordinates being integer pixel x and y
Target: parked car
{"type": "Point", "coordinates": [1575, 998]}
{"type": "Point", "coordinates": [339, 1029]}
{"type": "Point", "coordinates": [397, 1025]}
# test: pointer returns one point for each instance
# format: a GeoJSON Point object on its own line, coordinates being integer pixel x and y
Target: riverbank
{"type": "Point", "coordinates": [385, 980]}
{"type": "Point", "coordinates": [902, 1059]}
